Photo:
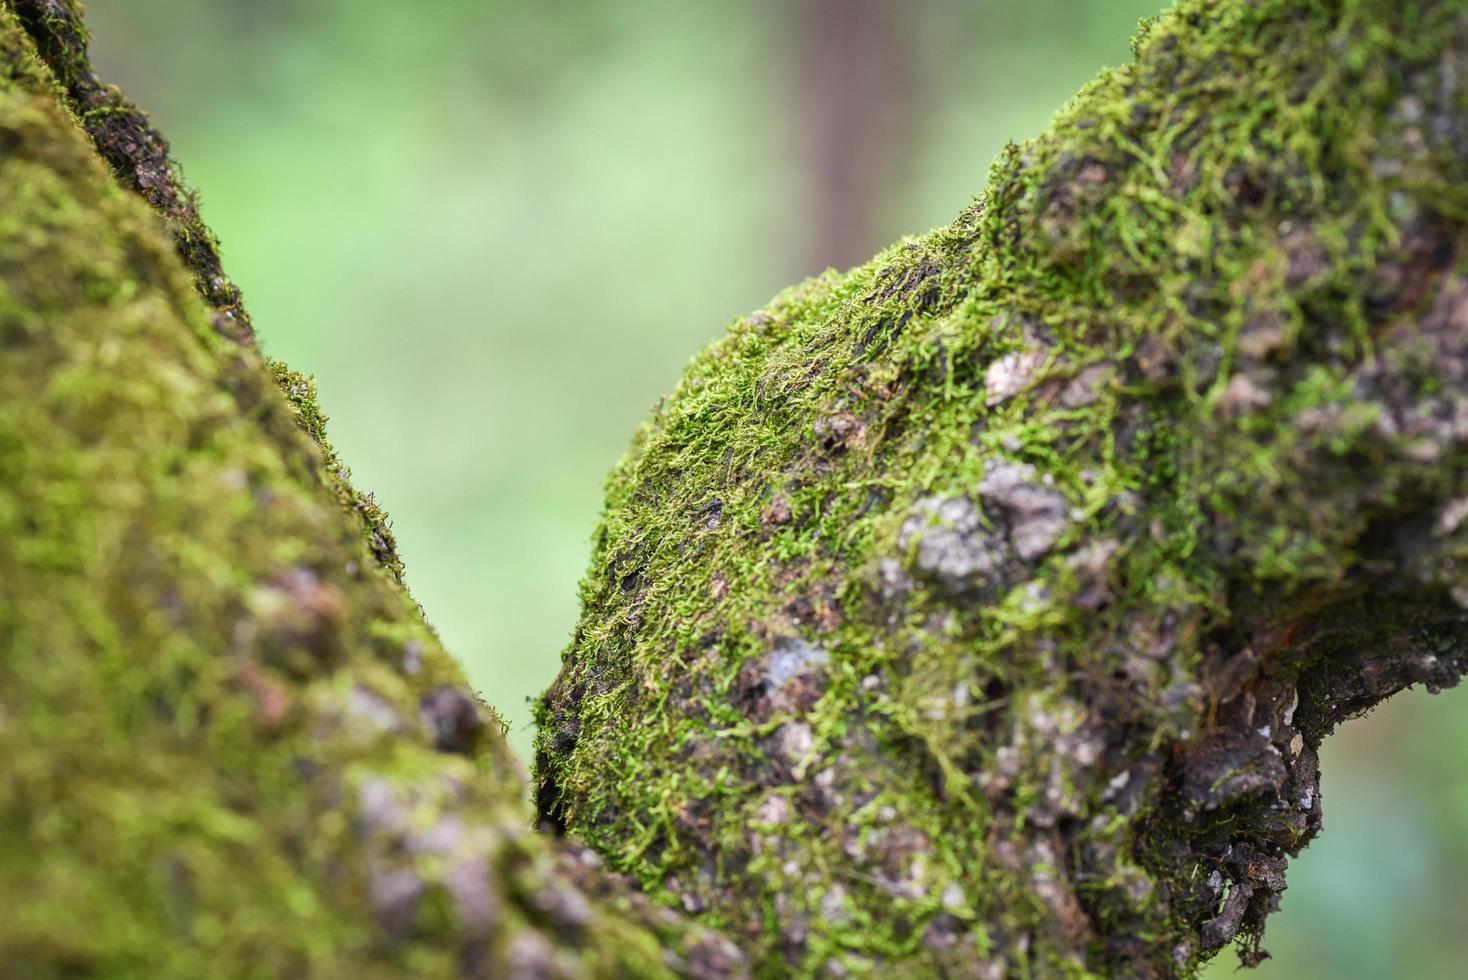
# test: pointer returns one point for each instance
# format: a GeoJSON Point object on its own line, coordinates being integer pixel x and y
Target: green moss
{"type": "Point", "coordinates": [1045, 488]}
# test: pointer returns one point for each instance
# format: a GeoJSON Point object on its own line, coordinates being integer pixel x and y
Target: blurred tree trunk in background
{"type": "Point", "coordinates": [977, 612]}
{"type": "Point", "coordinates": [852, 77]}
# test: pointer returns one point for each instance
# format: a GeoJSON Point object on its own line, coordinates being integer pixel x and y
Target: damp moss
{"type": "Point", "coordinates": [1076, 499]}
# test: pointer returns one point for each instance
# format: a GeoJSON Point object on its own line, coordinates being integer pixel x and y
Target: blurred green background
{"type": "Point", "coordinates": [495, 231]}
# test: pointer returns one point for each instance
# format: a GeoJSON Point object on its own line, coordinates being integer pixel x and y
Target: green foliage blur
{"type": "Point", "coordinates": [495, 231]}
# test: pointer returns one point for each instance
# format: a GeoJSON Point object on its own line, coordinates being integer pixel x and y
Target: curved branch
{"type": "Point", "coordinates": [979, 611]}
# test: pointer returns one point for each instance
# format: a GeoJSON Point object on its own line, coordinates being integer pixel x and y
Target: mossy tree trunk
{"type": "Point", "coordinates": [229, 744]}
{"type": "Point", "coordinates": [977, 612]}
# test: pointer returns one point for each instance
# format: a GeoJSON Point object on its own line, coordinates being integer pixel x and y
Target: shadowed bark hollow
{"type": "Point", "coordinates": [978, 612]}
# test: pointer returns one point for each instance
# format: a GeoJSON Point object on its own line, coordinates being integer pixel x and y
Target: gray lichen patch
{"type": "Point", "coordinates": [1035, 515]}
{"type": "Point", "coordinates": [953, 544]}
{"type": "Point", "coordinates": [1011, 374]}
{"type": "Point", "coordinates": [965, 548]}
{"type": "Point", "coordinates": [794, 658]}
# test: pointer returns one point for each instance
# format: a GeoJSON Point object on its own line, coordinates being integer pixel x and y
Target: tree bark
{"type": "Point", "coordinates": [977, 612]}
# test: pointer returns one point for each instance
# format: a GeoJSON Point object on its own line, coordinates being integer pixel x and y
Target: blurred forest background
{"type": "Point", "coordinates": [495, 231]}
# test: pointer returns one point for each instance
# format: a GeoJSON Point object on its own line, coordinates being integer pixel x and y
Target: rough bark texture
{"type": "Point", "coordinates": [980, 611]}
{"type": "Point", "coordinates": [229, 744]}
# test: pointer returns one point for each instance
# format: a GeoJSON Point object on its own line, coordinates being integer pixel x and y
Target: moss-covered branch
{"type": "Point", "coordinates": [229, 745]}
{"type": "Point", "coordinates": [980, 611]}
